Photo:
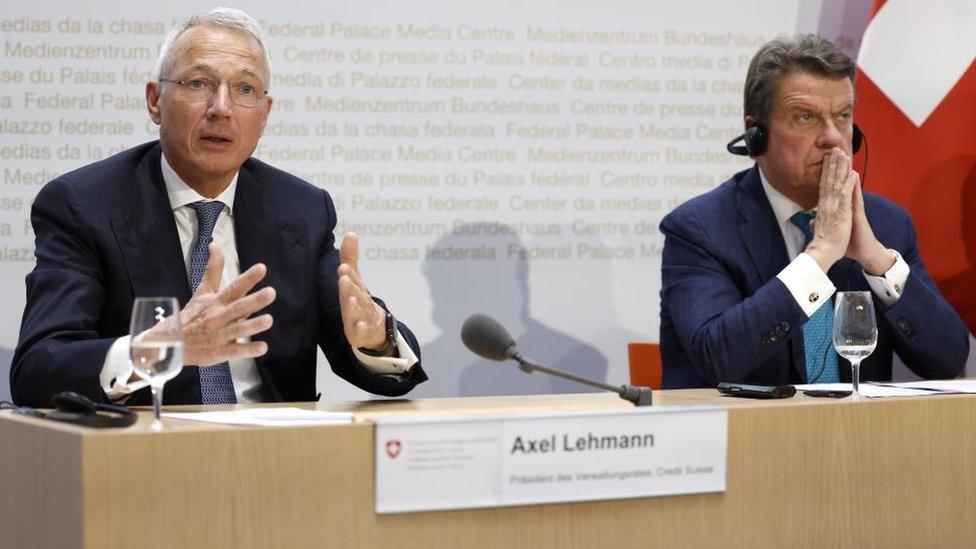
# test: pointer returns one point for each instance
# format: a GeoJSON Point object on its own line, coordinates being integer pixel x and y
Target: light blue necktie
{"type": "Point", "coordinates": [216, 385]}
{"type": "Point", "coordinates": [817, 331]}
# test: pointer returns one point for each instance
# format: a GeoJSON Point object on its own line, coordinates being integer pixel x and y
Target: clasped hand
{"type": "Point", "coordinates": [841, 228]}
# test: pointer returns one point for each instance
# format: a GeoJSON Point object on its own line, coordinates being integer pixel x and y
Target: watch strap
{"type": "Point", "coordinates": [391, 339]}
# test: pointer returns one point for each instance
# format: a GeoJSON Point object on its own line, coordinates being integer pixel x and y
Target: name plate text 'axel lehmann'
{"type": "Point", "coordinates": [504, 459]}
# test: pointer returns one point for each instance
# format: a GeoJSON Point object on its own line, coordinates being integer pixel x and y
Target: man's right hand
{"type": "Point", "coordinates": [832, 227]}
{"type": "Point", "coordinates": [215, 318]}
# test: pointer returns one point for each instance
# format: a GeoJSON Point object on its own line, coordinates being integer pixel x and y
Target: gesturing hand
{"type": "Point", "coordinates": [363, 321]}
{"type": "Point", "coordinates": [215, 318]}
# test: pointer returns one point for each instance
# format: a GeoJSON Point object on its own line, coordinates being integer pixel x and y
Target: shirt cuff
{"type": "Point", "coordinates": [116, 371]}
{"type": "Point", "coordinates": [889, 287]}
{"type": "Point", "coordinates": [807, 283]}
{"type": "Point", "coordinates": [388, 364]}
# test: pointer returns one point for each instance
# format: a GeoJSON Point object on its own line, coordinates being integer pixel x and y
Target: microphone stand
{"type": "Point", "coordinates": [640, 396]}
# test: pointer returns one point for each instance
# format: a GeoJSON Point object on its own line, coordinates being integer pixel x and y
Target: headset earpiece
{"type": "Point", "coordinates": [74, 408]}
{"type": "Point", "coordinates": [754, 141]}
{"type": "Point", "coordinates": [857, 139]}
{"type": "Point", "coordinates": [73, 403]}
{"type": "Point", "coordinates": [756, 136]}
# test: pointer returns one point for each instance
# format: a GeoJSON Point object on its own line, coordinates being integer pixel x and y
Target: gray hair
{"type": "Point", "coordinates": [227, 18]}
{"type": "Point", "coordinates": [806, 53]}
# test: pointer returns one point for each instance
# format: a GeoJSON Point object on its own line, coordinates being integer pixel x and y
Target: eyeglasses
{"type": "Point", "coordinates": [199, 90]}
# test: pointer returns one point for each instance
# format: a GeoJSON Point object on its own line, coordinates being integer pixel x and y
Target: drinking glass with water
{"type": "Point", "coordinates": [156, 345]}
{"type": "Point", "coordinates": [855, 331]}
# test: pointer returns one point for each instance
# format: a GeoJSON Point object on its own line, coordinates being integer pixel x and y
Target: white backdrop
{"type": "Point", "coordinates": [512, 158]}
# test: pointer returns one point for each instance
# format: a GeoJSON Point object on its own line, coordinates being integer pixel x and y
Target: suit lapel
{"type": "Point", "coordinates": [764, 241]}
{"type": "Point", "coordinates": [265, 234]}
{"type": "Point", "coordinates": [254, 223]}
{"type": "Point", "coordinates": [762, 236]}
{"type": "Point", "coordinates": [146, 232]}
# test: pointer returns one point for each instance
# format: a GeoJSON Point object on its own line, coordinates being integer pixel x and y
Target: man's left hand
{"type": "Point", "coordinates": [864, 247]}
{"type": "Point", "coordinates": [363, 321]}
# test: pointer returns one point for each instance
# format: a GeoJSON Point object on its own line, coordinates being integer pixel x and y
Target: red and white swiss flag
{"type": "Point", "coordinates": [917, 104]}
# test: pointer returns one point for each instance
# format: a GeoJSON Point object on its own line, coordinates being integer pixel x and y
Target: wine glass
{"type": "Point", "coordinates": [855, 331]}
{"type": "Point", "coordinates": [156, 345]}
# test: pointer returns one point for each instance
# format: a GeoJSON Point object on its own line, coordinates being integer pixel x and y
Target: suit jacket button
{"type": "Point", "coordinates": [785, 326]}
{"type": "Point", "coordinates": [814, 297]}
{"type": "Point", "coordinates": [765, 341]}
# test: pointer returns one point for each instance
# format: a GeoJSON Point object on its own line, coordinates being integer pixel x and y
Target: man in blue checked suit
{"type": "Point", "coordinates": [248, 250]}
{"type": "Point", "coordinates": [750, 269]}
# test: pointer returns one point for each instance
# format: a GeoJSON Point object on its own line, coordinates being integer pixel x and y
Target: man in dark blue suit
{"type": "Point", "coordinates": [749, 269]}
{"type": "Point", "coordinates": [193, 216]}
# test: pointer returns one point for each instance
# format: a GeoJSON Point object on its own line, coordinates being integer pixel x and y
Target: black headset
{"type": "Point", "coordinates": [70, 407]}
{"type": "Point", "coordinates": [757, 136]}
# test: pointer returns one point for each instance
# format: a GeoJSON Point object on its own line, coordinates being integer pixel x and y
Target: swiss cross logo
{"type": "Point", "coordinates": [393, 448]}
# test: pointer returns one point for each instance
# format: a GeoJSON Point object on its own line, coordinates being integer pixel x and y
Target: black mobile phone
{"type": "Point", "coordinates": [756, 391]}
{"type": "Point", "coordinates": [826, 393]}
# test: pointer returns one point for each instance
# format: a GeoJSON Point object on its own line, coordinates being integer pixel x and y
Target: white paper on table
{"type": "Point", "coordinates": [868, 390]}
{"type": "Point", "coordinates": [267, 416]}
{"type": "Point", "coordinates": [947, 385]}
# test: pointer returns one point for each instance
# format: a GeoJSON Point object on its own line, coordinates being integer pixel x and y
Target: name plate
{"type": "Point", "coordinates": [433, 463]}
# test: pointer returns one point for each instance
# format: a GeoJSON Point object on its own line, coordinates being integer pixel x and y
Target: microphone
{"type": "Point", "coordinates": [487, 338]}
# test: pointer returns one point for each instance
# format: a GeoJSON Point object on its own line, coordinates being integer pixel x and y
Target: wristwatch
{"type": "Point", "coordinates": [391, 339]}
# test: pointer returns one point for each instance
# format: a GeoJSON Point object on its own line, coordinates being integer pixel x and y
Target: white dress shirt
{"type": "Point", "coordinates": [803, 276]}
{"type": "Point", "coordinates": [117, 369]}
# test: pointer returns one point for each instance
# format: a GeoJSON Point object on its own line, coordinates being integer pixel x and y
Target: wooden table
{"type": "Point", "coordinates": [897, 472]}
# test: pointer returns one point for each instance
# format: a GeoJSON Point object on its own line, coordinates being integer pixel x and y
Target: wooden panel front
{"type": "Point", "coordinates": [801, 472]}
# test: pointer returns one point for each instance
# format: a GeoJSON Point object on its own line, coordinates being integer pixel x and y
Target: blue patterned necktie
{"type": "Point", "coordinates": [216, 385]}
{"type": "Point", "coordinates": [817, 331]}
